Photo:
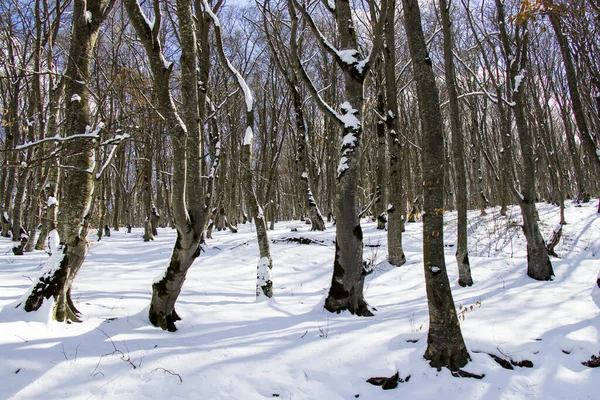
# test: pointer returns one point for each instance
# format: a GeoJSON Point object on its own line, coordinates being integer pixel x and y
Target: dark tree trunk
{"type": "Point", "coordinates": [587, 140]}
{"type": "Point", "coordinates": [460, 187]}
{"type": "Point", "coordinates": [346, 291]}
{"type": "Point", "coordinates": [445, 344]}
{"type": "Point", "coordinates": [539, 266]}
{"type": "Point", "coordinates": [395, 210]}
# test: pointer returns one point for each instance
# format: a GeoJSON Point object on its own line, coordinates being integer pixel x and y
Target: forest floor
{"type": "Point", "coordinates": [229, 346]}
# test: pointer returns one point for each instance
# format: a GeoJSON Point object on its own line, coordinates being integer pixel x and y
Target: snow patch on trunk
{"type": "Point", "coordinates": [263, 277]}
{"type": "Point", "coordinates": [54, 241]}
{"type": "Point", "coordinates": [248, 137]}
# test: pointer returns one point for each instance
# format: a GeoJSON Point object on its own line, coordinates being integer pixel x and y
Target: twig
{"type": "Point", "coordinates": [169, 372]}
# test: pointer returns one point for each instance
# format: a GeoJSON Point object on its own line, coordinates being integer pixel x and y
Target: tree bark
{"type": "Point", "coordinates": [445, 344]}
{"type": "Point", "coordinates": [189, 205]}
{"type": "Point", "coordinates": [79, 185]}
{"type": "Point", "coordinates": [395, 144]}
{"type": "Point", "coordinates": [591, 149]}
{"type": "Point", "coordinates": [346, 291]}
{"type": "Point", "coordinates": [462, 251]}
{"type": "Point", "coordinates": [264, 282]}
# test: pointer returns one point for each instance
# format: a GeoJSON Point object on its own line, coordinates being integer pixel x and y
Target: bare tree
{"type": "Point", "coordinates": [460, 188]}
{"type": "Point", "coordinates": [445, 344]}
{"type": "Point", "coordinates": [56, 282]}
{"type": "Point", "coordinates": [346, 291]}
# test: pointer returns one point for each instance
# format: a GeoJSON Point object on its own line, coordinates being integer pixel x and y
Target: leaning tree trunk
{"type": "Point", "coordinates": [79, 184]}
{"type": "Point", "coordinates": [589, 145]}
{"type": "Point", "coordinates": [445, 344]}
{"type": "Point", "coordinates": [539, 266]}
{"type": "Point", "coordinates": [462, 251]}
{"type": "Point", "coordinates": [188, 204]}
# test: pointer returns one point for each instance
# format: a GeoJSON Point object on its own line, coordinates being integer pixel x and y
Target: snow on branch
{"type": "Point", "coordinates": [115, 143]}
{"type": "Point", "coordinates": [87, 135]}
{"type": "Point", "coordinates": [321, 103]}
{"type": "Point", "coordinates": [240, 79]}
{"type": "Point", "coordinates": [347, 59]}
{"type": "Point", "coordinates": [490, 96]}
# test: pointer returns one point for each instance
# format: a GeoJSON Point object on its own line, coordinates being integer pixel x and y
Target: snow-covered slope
{"type": "Point", "coordinates": [229, 346]}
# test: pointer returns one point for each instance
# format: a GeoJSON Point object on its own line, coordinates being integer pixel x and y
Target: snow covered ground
{"type": "Point", "coordinates": [229, 346]}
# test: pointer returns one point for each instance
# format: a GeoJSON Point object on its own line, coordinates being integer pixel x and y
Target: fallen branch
{"type": "Point", "coordinates": [169, 372]}
{"type": "Point", "coordinates": [301, 240]}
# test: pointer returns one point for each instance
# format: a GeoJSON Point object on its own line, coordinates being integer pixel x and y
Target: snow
{"type": "Point", "coordinates": [263, 277]}
{"type": "Point", "coordinates": [248, 136]}
{"type": "Point", "coordinates": [435, 269]}
{"type": "Point", "coordinates": [75, 97]}
{"type": "Point", "coordinates": [348, 116]}
{"type": "Point", "coordinates": [349, 140]}
{"type": "Point", "coordinates": [343, 166]}
{"type": "Point", "coordinates": [349, 56]}
{"type": "Point", "coordinates": [149, 24]}
{"type": "Point", "coordinates": [518, 80]}
{"type": "Point", "coordinates": [53, 241]}
{"type": "Point", "coordinates": [229, 346]}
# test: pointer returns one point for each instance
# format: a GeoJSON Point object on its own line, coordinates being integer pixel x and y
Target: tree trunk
{"type": "Point", "coordinates": [476, 156]}
{"type": "Point", "coordinates": [346, 291]}
{"type": "Point", "coordinates": [148, 206]}
{"type": "Point", "coordinates": [264, 282]}
{"type": "Point", "coordinates": [381, 156]}
{"type": "Point", "coordinates": [316, 218]}
{"type": "Point", "coordinates": [445, 344]}
{"type": "Point", "coordinates": [538, 262]}
{"type": "Point", "coordinates": [79, 185]}
{"type": "Point", "coordinates": [396, 146]}
{"type": "Point", "coordinates": [587, 140]}
{"type": "Point", "coordinates": [460, 187]}
{"type": "Point", "coordinates": [189, 204]}
{"type": "Point", "coordinates": [539, 266]}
